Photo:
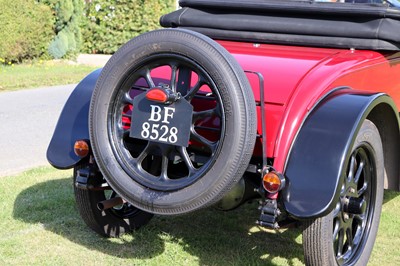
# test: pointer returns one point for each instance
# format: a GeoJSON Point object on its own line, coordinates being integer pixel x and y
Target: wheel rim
{"type": "Point", "coordinates": [123, 211]}
{"type": "Point", "coordinates": [160, 166]}
{"type": "Point", "coordinates": [353, 214]}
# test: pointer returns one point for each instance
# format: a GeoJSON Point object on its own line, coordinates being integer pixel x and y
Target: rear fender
{"type": "Point", "coordinates": [318, 159]}
{"type": "Point", "coordinates": [72, 124]}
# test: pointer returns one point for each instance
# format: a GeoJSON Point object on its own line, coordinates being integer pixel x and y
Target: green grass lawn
{"type": "Point", "coordinates": [42, 73]}
{"type": "Point", "coordinates": [40, 225]}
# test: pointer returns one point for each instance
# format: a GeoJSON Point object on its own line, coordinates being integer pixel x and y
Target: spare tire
{"type": "Point", "coordinates": [151, 169]}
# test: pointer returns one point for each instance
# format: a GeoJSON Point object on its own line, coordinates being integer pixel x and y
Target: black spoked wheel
{"type": "Point", "coordinates": [159, 165]}
{"type": "Point", "coordinates": [145, 159]}
{"type": "Point", "coordinates": [112, 222]}
{"type": "Point", "coordinates": [353, 215]}
{"type": "Point", "coordinates": [346, 235]}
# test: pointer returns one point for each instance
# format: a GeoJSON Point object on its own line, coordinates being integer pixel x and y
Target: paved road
{"type": "Point", "coordinates": [27, 122]}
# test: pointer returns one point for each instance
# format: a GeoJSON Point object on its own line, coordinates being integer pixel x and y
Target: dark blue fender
{"type": "Point", "coordinates": [318, 159]}
{"type": "Point", "coordinates": [72, 124]}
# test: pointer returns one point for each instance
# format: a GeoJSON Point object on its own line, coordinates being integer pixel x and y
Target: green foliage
{"type": "Point", "coordinates": [59, 46]}
{"type": "Point", "coordinates": [108, 24]}
{"type": "Point", "coordinates": [25, 28]}
{"type": "Point", "coordinates": [64, 10]}
{"type": "Point", "coordinates": [68, 38]}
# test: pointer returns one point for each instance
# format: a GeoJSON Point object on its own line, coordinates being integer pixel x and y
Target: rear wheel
{"type": "Point", "coordinates": [347, 234]}
{"type": "Point", "coordinates": [112, 222]}
{"type": "Point", "coordinates": [148, 169]}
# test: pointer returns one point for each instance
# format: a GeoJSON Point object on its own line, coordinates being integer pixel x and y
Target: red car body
{"type": "Point", "coordinates": [297, 78]}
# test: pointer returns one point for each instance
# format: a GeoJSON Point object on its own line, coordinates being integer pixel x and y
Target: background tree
{"type": "Point", "coordinates": [68, 37]}
{"type": "Point", "coordinates": [25, 30]}
{"type": "Point", "coordinates": [108, 24]}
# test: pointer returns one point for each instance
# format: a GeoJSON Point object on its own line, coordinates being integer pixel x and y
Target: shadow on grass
{"type": "Point", "coordinates": [214, 237]}
{"type": "Point", "coordinates": [390, 195]}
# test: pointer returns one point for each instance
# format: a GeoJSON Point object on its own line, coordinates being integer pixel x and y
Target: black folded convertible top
{"type": "Point", "coordinates": [308, 23]}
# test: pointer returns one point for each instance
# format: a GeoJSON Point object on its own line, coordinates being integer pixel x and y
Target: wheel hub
{"type": "Point", "coordinates": [355, 205]}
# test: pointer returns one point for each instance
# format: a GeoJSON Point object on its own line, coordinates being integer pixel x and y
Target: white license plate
{"type": "Point", "coordinates": [164, 123]}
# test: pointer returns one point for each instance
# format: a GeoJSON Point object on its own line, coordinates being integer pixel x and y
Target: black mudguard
{"type": "Point", "coordinates": [72, 125]}
{"type": "Point", "coordinates": [318, 159]}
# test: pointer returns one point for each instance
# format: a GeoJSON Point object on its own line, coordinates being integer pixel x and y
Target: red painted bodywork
{"type": "Point", "coordinates": [296, 78]}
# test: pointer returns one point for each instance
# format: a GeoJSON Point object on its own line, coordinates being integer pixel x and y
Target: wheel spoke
{"type": "Point", "coordinates": [349, 240]}
{"type": "Point", "coordinates": [359, 217]}
{"type": "Point", "coordinates": [143, 154]}
{"type": "Point", "coordinates": [186, 159]}
{"type": "Point", "coordinates": [189, 96]}
{"type": "Point", "coordinates": [127, 99]}
{"type": "Point", "coordinates": [363, 189]}
{"type": "Point", "coordinates": [351, 167]}
{"type": "Point", "coordinates": [337, 210]}
{"type": "Point", "coordinates": [184, 80]}
{"type": "Point", "coordinates": [140, 88]}
{"type": "Point", "coordinates": [361, 220]}
{"type": "Point", "coordinates": [174, 70]}
{"type": "Point", "coordinates": [164, 168]}
{"type": "Point", "coordinates": [203, 114]}
{"type": "Point", "coordinates": [197, 137]}
{"type": "Point", "coordinates": [359, 172]}
{"type": "Point", "coordinates": [357, 235]}
{"type": "Point", "coordinates": [146, 74]}
{"type": "Point", "coordinates": [336, 229]}
{"type": "Point", "coordinates": [340, 243]}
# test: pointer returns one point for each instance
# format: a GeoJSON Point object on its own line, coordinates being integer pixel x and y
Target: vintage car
{"type": "Point", "coordinates": [291, 102]}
